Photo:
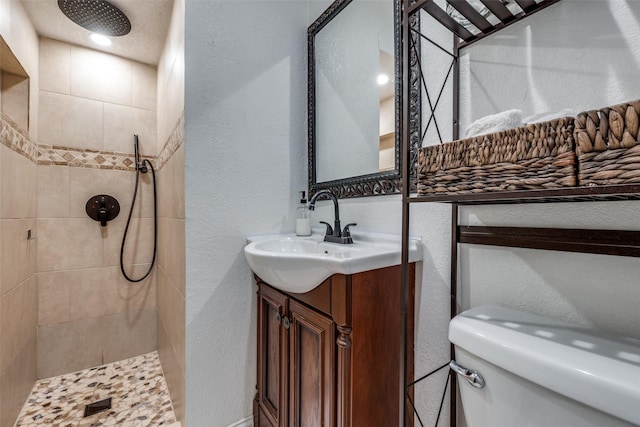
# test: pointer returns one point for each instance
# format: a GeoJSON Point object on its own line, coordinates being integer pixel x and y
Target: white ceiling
{"type": "Point", "coordinates": [149, 25]}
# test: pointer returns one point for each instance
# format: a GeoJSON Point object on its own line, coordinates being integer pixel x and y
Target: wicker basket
{"type": "Point", "coordinates": [533, 157]}
{"type": "Point", "coordinates": [608, 145]}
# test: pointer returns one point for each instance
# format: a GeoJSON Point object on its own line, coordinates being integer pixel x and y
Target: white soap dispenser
{"type": "Point", "coordinates": [303, 219]}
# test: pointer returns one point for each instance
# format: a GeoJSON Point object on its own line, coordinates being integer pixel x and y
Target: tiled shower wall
{"type": "Point", "coordinates": [171, 249]}
{"type": "Point", "coordinates": [90, 106]}
{"type": "Point", "coordinates": [171, 274]}
{"type": "Point", "coordinates": [17, 279]}
{"type": "Point", "coordinates": [83, 311]}
{"type": "Point", "coordinates": [18, 300]}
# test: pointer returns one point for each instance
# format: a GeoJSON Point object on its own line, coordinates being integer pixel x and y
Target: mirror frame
{"type": "Point", "coordinates": [377, 183]}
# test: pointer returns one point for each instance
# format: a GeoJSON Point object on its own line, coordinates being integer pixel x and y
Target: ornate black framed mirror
{"type": "Point", "coordinates": [354, 99]}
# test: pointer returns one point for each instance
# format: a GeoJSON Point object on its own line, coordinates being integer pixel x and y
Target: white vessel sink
{"type": "Point", "coordinates": [299, 264]}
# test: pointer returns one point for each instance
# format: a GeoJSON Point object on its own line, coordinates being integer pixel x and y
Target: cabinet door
{"type": "Point", "coordinates": [311, 368]}
{"type": "Point", "coordinates": [273, 344]}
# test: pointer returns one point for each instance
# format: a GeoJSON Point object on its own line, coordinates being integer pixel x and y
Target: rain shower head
{"type": "Point", "coordinates": [98, 16]}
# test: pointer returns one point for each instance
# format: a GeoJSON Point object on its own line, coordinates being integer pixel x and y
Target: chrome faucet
{"type": "Point", "coordinates": [334, 234]}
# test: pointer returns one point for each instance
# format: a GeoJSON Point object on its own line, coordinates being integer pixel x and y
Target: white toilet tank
{"type": "Point", "coordinates": [540, 372]}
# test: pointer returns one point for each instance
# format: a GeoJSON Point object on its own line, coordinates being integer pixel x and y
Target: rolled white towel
{"type": "Point", "coordinates": [549, 115]}
{"type": "Point", "coordinates": [495, 123]}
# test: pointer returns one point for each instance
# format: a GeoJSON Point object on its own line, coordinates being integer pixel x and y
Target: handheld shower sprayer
{"type": "Point", "coordinates": [140, 166]}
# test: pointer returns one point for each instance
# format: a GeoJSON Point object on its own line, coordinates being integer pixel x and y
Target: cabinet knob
{"type": "Point", "coordinates": [286, 322]}
{"type": "Point", "coordinates": [278, 318]}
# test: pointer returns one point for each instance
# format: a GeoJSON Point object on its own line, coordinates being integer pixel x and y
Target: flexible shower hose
{"type": "Point", "coordinates": [155, 225]}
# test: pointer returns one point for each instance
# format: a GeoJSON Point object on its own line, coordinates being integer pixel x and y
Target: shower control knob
{"type": "Point", "coordinates": [102, 208]}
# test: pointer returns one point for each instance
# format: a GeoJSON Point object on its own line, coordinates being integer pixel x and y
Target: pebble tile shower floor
{"type": "Point", "coordinates": [137, 386]}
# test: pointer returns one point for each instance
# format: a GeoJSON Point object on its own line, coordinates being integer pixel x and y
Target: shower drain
{"type": "Point", "coordinates": [96, 407]}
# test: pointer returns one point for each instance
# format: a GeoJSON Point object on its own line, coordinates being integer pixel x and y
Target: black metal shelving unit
{"type": "Point", "coordinates": [609, 242]}
{"type": "Point", "coordinates": [571, 194]}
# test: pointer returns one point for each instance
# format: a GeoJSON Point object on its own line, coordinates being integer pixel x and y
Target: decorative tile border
{"type": "Point", "coordinates": [19, 141]}
{"type": "Point", "coordinates": [12, 136]}
{"type": "Point", "coordinates": [175, 140]}
{"type": "Point", "coordinates": [85, 158]}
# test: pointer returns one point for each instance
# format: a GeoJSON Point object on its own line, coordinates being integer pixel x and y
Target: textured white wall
{"type": "Point", "coordinates": [593, 290]}
{"type": "Point", "coordinates": [245, 159]}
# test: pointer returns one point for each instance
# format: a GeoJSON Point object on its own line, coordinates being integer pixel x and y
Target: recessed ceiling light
{"type": "Point", "coordinates": [100, 39]}
{"type": "Point", "coordinates": [383, 79]}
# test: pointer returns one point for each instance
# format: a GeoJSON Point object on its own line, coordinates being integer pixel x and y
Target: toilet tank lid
{"type": "Point", "coordinates": [596, 369]}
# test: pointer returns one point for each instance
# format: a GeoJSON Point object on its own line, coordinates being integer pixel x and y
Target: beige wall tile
{"type": "Point", "coordinates": [171, 338]}
{"type": "Point", "coordinates": [3, 152]}
{"type": "Point", "coordinates": [69, 121]}
{"type": "Point", "coordinates": [18, 319]}
{"type": "Point", "coordinates": [123, 183]}
{"type": "Point", "coordinates": [171, 250]}
{"type": "Point", "coordinates": [129, 334]}
{"type": "Point", "coordinates": [164, 242]}
{"type": "Point", "coordinates": [54, 296]}
{"type": "Point", "coordinates": [34, 105]}
{"type": "Point", "coordinates": [19, 34]}
{"type": "Point", "coordinates": [92, 293]}
{"type": "Point", "coordinates": [171, 313]}
{"type": "Point", "coordinates": [18, 255]}
{"type": "Point", "coordinates": [65, 244]}
{"type": "Point", "coordinates": [85, 183]}
{"type": "Point", "coordinates": [97, 312]}
{"type": "Point", "coordinates": [174, 373]}
{"type": "Point", "coordinates": [68, 347]}
{"type": "Point", "coordinates": [55, 66]}
{"type": "Point", "coordinates": [170, 91]}
{"type": "Point", "coordinates": [171, 186]}
{"type": "Point", "coordinates": [23, 40]}
{"type": "Point", "coordinates": [144, 86]}
{"type": "Point", "coordinates": [178, 182]}
{"type": "Point", "coordinates": [1, 343]}
{"type": "Point", "coordinates": [103, 291]}
{"type": "Point", "coordinates": [17, 185]}
{"type": "Point", "coordinates": [15, 99]}
{"type": "Point", "coordinates": [16, 382]}
{"type": "Point", "coordinates": [164, 191]}
{"type": "Point", "coordinates": [144, 200]}
{"type": "Point", "coordinates": [140, 295]}
{"type": "Point", "coordinates": [77, 294]}
{"type": "Point", "coordinates": [53, 191]}
{"type": "Point", "coordinates": [112, 238]}
{"type": "Point", "coordinates": [166, 127]}
{"type": "Point", "coordinates": [122, 122]}
{"type": "Point", "coordinates": [81, 344]}
{"type": "Point", "coordinates": [139, 243]}
{"type": "Point", "coordinates": [2, 285]}
{"type": "Point", "coordinates": [100, 76]}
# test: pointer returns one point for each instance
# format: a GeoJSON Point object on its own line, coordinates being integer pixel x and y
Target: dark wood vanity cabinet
{"type": "Point", "coordinates": [331, 357]}
{"type": "Point", "coordinates": [295, 362]}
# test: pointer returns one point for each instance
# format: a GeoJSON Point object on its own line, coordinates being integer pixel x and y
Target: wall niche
{"type": "Point", "coordinates": [14, 88]}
